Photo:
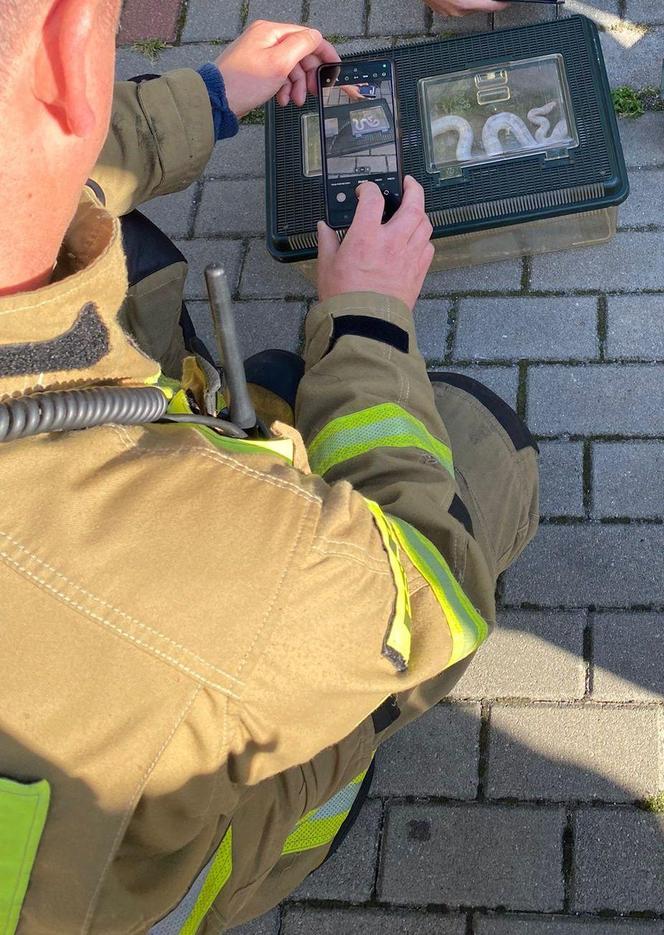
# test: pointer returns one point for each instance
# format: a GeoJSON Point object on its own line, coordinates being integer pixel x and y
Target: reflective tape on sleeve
{"type": "Point", "coordinates": [396, 645]}
{"type": "Point", "coordinates": [468, 628]}
{"type": "Point", "coordinates": [23, 811]}
{"type": "Point", "coordinates": [383, 426]}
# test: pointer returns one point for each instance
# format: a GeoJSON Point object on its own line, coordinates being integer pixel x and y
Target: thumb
{"type": "Point", "coordinates": [328, 243]}
{"type": "Point", "coordinates": [295, 46]}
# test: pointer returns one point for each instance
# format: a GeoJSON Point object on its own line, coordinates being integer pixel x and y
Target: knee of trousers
{"type": "Point", "coordinates": [496, 465]}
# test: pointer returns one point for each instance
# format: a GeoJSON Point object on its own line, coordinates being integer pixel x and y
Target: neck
{"type": "Point", "coordinates": [33, 223]}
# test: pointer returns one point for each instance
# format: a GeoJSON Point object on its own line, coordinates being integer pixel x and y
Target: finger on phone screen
{"type": "Point", "coordinates": [370, 206]}
{"type": "Point", "coordinates": [411, 210]}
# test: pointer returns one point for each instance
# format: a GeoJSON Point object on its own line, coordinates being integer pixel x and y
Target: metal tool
{"type": "Point", "coordinates": [242, 412]}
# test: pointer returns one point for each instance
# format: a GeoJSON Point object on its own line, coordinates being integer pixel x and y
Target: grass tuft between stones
{"type": "Point", "coordinates": [627, 102]}
{"type": "Point", "coordinates": [655, 804]}
{"type": "Point", "coordinates": [150, 48]}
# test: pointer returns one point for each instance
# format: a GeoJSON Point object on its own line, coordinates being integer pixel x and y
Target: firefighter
{"type": "Point", "coordinates": [207, 632]}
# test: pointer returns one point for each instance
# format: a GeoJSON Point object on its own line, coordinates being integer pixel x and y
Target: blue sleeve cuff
{"type": "Point", "coordinates": [225, 122]}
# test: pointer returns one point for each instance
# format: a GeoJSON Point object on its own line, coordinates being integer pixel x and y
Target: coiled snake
{"type": "Point", "coordinates": [502, 123]}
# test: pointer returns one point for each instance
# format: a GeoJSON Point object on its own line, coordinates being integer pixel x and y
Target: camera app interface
{"type": "Point", "coordinates": [359, 131]}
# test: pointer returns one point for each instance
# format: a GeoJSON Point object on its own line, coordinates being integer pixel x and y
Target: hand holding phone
{"type": "Point", "coordinates": [391, 258]}
{"type": "Point", "coordinates": [359, 136]}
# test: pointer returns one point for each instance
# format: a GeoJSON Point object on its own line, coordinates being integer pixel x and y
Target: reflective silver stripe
{"type": "Point", "coordinates": [174, 921]}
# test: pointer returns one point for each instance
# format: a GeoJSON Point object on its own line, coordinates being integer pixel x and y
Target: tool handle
{"type": "Point", "coordinates": [241, 408]}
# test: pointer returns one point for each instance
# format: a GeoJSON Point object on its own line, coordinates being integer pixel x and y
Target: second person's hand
{"type": "Point", "coordinates": [391, 258]}
{"type": "Point", "coordinates": [269, 59]}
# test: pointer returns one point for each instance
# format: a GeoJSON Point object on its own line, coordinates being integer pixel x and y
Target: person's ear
{"type": "Point", "coordinates": [61, 78]}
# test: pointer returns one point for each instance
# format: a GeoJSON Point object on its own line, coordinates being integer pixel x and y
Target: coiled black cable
{"type": "Point", "coordinates": [70, 410]}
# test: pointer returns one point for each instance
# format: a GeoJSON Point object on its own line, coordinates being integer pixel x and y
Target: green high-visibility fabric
{"type": "Point", "coordinates": [383, 426]}
{"type": "Point", "coordinates": [467, 627]}
{"type": "Point", "coordinates": [23, 811]}
{"type": "Point", "coordinates": [320, 826]}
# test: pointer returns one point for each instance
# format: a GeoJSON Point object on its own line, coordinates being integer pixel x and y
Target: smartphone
{"type": "Point", "coordinates": [359, 136]}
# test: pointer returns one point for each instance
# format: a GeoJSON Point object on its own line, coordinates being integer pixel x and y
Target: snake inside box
{"type": "Point", "coordinates": [511, 133]}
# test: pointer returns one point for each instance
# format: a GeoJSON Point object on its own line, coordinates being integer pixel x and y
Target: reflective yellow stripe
{"type": "Point", "coordinates": [281, 447]}
{"type": "Point", "coordinates": [396, 645]}
{"type": "Point", "coordinates": [187, 916]}
{"type": "Point", "coordinates": [23, 811]}
{"type": "Point", "coordinates": [467, 627]}
{"type": "Point", "coordinates": [383, 426]}
{"type": "Point", "coordinates": [217, 877]}
{"type": "Point", "coordinates": [320, 826]}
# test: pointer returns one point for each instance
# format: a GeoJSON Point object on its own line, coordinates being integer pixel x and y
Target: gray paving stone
{"type": "Point", "coordinates": [561, 925]}
{"type": "Point", "coordinates": [448, 26]}
{"type": "Point", "coordinates": [628, 479]}
{"type": "Point", "coordinates": [644, 11]}
{"type": "Point", "coordinates": [629, 262]}
{"type": "Point", "coordinates": [502, 380]}
{"type": "Point", "coordinates": [264, 277]}
{"type": "Point", "coordinates": [491, 277]}
{"type": "Point", "coordinates": [524, 14]}
{"type": "Point", "coordinates": [208, 19]}
{"type": "Point", "coordinates": [359, 46]}
{"type": "Point", "coordinates": [431, 325]}
{"type": "Point", "coordinates": [348, 874]}
{"type": "Point", "coordinates": [604, 12]}
{"type": "Point", "coordinates": [278, 11]}
{"type": "Point", "coordinates": [129, 63]}
{"type": "Point", "coordinates": [577, 752]}
{"type": "Point", "coordinates": [437, 755]}
{"type": "Point", "coordinates": [643, 140]}
{"type": "Point", "coordinates": [464, 855]}
{"type": "Point", "coordinates": [199, 253]}
{"type": "Point", "coordinates": [608, 566]}
{"type": "Point", "coordinates": [341, 18]}
{"type": "Point", "coordinates": [173, 213]}
{"type": "Point", "coordinates": [395, 18]}
{"type": "Point", "coordinates": [594, 399]}
{"type": "Point", "coordinates": [241, 155]}
{"type": "Point", "coordinates": [632, 55]}
{"type": "Point", "coordinates": [561, 479]}
{"type": "Point", "coordinates": [635, 326]}
{"type": "Point", "coordinates": [619, 861]}
{"type": "Point", "coordinates": [234, 206]}
{"type": "Point", "coordinates": [511, 329]}
{"type": "Point", "coordinates": [530, 654]}
{"type": "Point", "coordinates": [628, 663]}
{"type": "Point", "coordinates": [191, 55]}
{"type": "Point", "coordinates": [645, 204]}
{"type": "Point", "coordinates": [370, 922]}
{"type": "Point", "coordinates": [260, 325]}
{"type": "Point", "coordinates": [266, 925]}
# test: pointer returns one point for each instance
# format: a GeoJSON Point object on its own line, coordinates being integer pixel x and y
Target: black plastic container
{"type": "Point", "coordinates": [544, 171]}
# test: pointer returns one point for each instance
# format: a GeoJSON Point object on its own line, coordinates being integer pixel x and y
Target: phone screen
{"type": "Point", "coordinates": [359, 135]}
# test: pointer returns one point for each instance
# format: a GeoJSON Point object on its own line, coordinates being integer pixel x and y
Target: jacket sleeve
{"type": "Point", "coordinates": [160, 139]}
{"type": "Point", "coordinates": [366, 409]}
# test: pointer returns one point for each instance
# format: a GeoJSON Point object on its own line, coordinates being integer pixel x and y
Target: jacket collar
{"type": "Point", "coordinates": [67, 334]}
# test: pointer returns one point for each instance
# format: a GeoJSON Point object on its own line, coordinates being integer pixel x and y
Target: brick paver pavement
{"type": "Point", "coordinates": [513, 808]}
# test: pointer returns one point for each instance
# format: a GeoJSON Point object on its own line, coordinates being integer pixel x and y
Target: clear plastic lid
{"type": "Point", "coordinates": [508, 111]}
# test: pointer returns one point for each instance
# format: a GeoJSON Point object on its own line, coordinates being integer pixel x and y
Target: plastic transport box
{"type": "Point", "coordinates": [511, 133]}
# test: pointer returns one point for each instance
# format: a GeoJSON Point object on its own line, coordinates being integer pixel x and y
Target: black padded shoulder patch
{"type": "Point", "coordinates": [82, 346]}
